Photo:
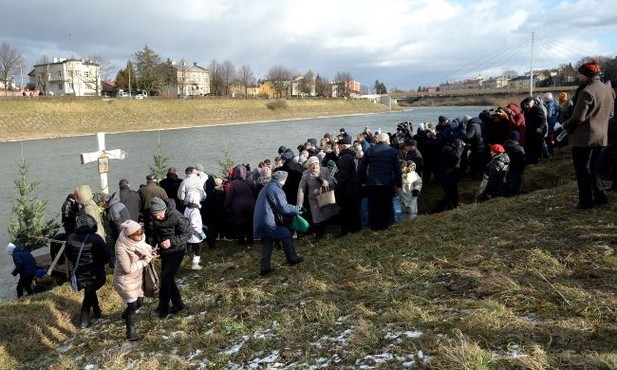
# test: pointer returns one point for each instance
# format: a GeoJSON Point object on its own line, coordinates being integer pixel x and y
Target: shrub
{"type": "Point", "coordinates": [277, 104]}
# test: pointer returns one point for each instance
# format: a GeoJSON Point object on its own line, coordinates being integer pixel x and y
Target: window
{"type": "Point", "coordinates": [59, 73]}
{"type": "Point", "coordinates": [59, 86]}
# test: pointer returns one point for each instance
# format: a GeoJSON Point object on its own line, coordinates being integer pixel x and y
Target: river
{"type": "Point", "coordinates": [55, 163]}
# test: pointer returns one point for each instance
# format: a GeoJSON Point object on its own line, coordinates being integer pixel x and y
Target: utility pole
{"type": "Point", "coordinates": [128, 66]}
{"type": "Point", "coordinates": [531, 68]}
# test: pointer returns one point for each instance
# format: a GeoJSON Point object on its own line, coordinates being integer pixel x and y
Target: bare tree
{"type": "Point", "coordinates": [228, 75]}
{"type": "Point", "coordinates": [216, 81]}
{"type": "Point", "coordinates": [182, 77]}
{"type": "Point", "coordinates": [10, 64]}
{"type": "Point", "coordinates": [307, 84]}
{"type": "Point", "coordinates": [342, 78]}
{"type": "Point", "coordinates": [246, 77]}
{"type": "Point", "coordinates": [42, 75]}
{"type": "Point", "coordinates": [100, 74]}
{"type": "Point", "coordinates": [280, 77]}
{"type": "Point", "coordinates": [322, 87]}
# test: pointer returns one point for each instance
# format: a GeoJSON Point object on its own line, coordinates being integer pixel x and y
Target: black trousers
{"type": "Point", "coordinates": [24, 283]}
{"type": "Point", "coordinates": [588, 179]}
{"type": "Point", "coordinates": [170, 263]}
{"type": "Point", "coordinates": [349, 214]}
{"type": "Point", "coordinates": [450, 197]}
{"type": "Point", "coordinates": [267, 244]}
{"type": "Point", "coordinates": [380, 210]}
{"type": "Point", "coordinates": [91, 300]}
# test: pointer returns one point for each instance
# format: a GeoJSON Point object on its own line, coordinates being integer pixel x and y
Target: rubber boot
{"type": "Point", "coordinates": [84, 319]}
{"type": "Point", "coordinates": [131, 333]}
{"type": "Point", "coordinates": [195, 264]}
{"type": "Point", "coordinates": [140, 302]}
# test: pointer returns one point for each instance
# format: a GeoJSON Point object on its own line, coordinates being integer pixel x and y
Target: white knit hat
{"type": "Point", "coordinates": [10, 248]}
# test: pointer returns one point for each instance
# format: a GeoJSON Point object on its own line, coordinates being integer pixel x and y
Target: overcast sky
{"type": "Point", "coordinates": [403, 43]}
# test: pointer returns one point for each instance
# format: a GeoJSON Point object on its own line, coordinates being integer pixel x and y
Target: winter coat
{"type": "Point", "coordinates": [473, 135]}
{"type": "Point", "coordinates": [89, 207]}
{"type": "Point", "coordinates": [380, 166]}
{"type": "Point", "coordinates": [90, 271]}
{"type": "Point", "coordinates": [411, 181]}
{"type": "Point", "coordinates": [270, 199]}
{"type": "Point", "coordinates": [25, 265]}
{"type": "Point", "coordinates": [191, 183]}
{"type": "Point", "coordinates": [240, 198]}
{"type": "Point", "coordinates": [294, 174]}
{"type": "Point", "coordinates": [516, 121]}
{"type": "Point", "coordinates": [171, 184]}
{"type": "Point", "coordinates": [146, 193]}
{"type": "Point", "coordinates": [449, 165]}
{"type": "Point", "coordinates": [494, 181]}
{"type": "Point", "coordinates": [130, 198]}
{"type": "Point", "coordinates": [117, 214]}
{"type": "Point", "coordinates": [174, 227]}
{"type": "Point", "coordinates": [516, 153]}
{"type": "Point", "coordinates": [130, 263]}
{"type": "Point", "coordinates": [593, 107]}
{"type": "Point", "coordinates": [311, 185]}
{"type": "Point", "coordinates": [193, 215]}
{"type": "Point", "coordinates": [346, 175]}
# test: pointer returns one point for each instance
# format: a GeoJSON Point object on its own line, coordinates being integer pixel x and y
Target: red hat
{"type": "Point", "coordinates": [497, 148]}
{"type": "Point", "coordinates": [590, 69]}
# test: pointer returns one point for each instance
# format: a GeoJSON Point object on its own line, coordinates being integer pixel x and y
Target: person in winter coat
{"type": "Point", "coordinates": [449, 175]}
{"type": "Point", "coordinates": [347, 192]}
{"type": "Point", "coordinates": [88, 246]}
{"type": "Point", "coordinates": [171, 184]}
{"type": "Point", "coordinates": [535, 128]}
{"type": "Point", "coordinates": [473, 137]}
{"type": "Point", "coordinates": [272, 199]}
{"type": "Point", "coordinates": [193, 214]}
{"type": "Point", "coordinates": [294, 174]}
{"type": "Point", "coordinates": [240, 204]}
{"type": "Point", "coordinates": [213, 211]}
{"type": "Point", "coordinates": [314, 179]}
{"type": "Point", "coordinates": [117, 213]}
{"type": "Point", "coordinates": [516, 153]}
{"type": "Point", "coordinates": [69, 212]}
{"type": "Point", "coordinates": [171, 231]}
{"type": "Point", "coordinates": [25, 266]}
{"type": "Point", "coordinates": [412, 186]}
{"type": "Point", "coordinates": [132, 255]}
{"type": "Point", "coordinates": [588, 133]}
{"type": "Point", "coordinates": [85, 197]}
{"type": "Point", "coordinates": [130, 198]}
{"type": "Point", "coordinates": [494, 181]}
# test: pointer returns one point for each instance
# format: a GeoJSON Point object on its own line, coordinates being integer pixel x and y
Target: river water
{"type": "Point", "coordinates": [55, 163]}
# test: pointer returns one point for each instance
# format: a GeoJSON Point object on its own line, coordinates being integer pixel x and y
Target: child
{"type": "Point", "coordinates": [25, 266]}
{"type": "Point", "coordinates": [412, 185]}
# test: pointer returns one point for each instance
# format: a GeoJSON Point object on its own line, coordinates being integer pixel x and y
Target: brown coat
{"type": "Point", "coordinates": [129, 266]}
{"type": "Point", "coordinates": [588, 125]}
{"type": "Point", "coordinates": [310, 186]}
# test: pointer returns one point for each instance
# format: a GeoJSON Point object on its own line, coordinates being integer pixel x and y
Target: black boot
{"type": "Point", "coordinates": [131, 334]}
{"type": "Point", "coordinates": [84, 319]}
{"type": "Point", "coordinates": [97, 312]}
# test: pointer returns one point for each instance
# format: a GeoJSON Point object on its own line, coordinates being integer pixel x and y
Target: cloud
{"type": "Point", "coordinates": [403, 43]}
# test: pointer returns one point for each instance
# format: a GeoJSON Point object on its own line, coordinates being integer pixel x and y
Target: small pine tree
{"type": "Point", "coordinates": [226, 162]}
{"type": "Point", "coordinates": [27, 224]}
{"type": "Point", "coordinates": [160, 162]}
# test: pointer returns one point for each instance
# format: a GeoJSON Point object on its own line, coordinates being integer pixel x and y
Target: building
{"type": "Point", "coordinates": [496, 83]}
{"type": "Point", "coordinates": [345, 88]}
{"type": "Point", "coordinates": [77, 77]}
{"type": "Point", "coordinates": [192, 80]}
{"type": "Point", "coordinates": [302, 86]}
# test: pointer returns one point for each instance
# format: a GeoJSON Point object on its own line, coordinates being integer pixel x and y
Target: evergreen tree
{"type": "Point", "coordinates": [226, 162]}
{"type": "Point", "coordinates": [27, 225]}
{"type": "Point", "coordinates": [160, 161]}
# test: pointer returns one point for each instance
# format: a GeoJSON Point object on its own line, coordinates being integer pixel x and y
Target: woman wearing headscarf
{"type": "Point", "coordinates": [90, 249]}
{"type": "Point", "coordinates": [132, 255]}
{"type": "Point", "coordinates": [313, 180]}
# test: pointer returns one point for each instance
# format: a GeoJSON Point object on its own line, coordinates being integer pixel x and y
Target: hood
{"type": "Point", "coordinates": [85, 224]}
{"type": "Point", "coordinates": [84, 193]}
{"type": "Point", "coordinates": [514, 108]}
{"type": "Point", "coordinates": [193, 197]}
{"type": "Point", "coordinates": [239, 172]}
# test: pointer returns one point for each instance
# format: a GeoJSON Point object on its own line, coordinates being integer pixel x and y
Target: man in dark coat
{"type": "Point", "coordinates": [294, 175]}
{"type": "Point", "coordinates": [170, 232]}
{"type": "Point", "coordinates": [346, 191]}
{"type": "Point", "coordinates": [25, 266]}
{"type": "Point", "coordinates": [88, 253]}
{"type": "Point", "coordinates": [380, 172]}
{"type": "Point", "coordinates": [588, 133]}
{"type": "Point", "coordinates": [130, 198]}
{"type": "Point", "coordinates": [477, 154]}
{"type": "Point", "coordinates": [171, 184]}
{"type": "Point", "coordinates": [412, 153]}
{"type": "Point", "coordinates": [516, 153]}
{"type": "Point", "coordinates": [449, 175]}
{"type": "Point", "coordinates": [535, 128]}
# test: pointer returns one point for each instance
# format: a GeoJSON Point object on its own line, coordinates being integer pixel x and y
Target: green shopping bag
{"type": "Point", "coordinates": [299, 224]}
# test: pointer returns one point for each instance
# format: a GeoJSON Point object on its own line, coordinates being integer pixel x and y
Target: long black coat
{"type": "Point", "coordinates": [90, 271]}
{"type": "Point", "coordinates": [174, 227]}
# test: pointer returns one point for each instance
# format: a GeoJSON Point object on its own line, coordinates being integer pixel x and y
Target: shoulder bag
{"type": "Point", "coordinates": [325, 197]}
{"type": "Point", "coordinates": [151, 281]}
{"type": "Point", "coordinates": [74, 282]}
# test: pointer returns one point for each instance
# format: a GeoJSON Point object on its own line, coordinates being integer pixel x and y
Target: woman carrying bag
{"type": "Point", "coordinates": [133, 254]}
{"type": "Point", "coordinates": [88, 253]}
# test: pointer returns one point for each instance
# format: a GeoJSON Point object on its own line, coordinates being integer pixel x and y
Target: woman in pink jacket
{"type": "Point", "coordinates": [132, 255]}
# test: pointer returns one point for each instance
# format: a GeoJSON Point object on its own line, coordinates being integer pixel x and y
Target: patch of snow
{"type": "Point", "coordinates": [194, 354]}
{"type": "Point", "coordinates": [235, 348]}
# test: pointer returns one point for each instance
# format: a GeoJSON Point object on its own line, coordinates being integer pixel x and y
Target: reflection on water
{"type": "Point", "coordinates": [55, 163]}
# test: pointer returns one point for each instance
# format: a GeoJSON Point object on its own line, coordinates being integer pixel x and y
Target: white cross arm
{"type": "Point", "coordinates": [94, 156]}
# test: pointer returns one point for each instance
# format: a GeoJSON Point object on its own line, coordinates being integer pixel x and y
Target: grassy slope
{"type": "Point", "coordinates": [515, 283]}
{"type": "Point", "coordinates": [34, 118]}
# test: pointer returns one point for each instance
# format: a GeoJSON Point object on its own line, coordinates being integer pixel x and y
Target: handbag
{"type": "Point", "coordinates": [299, 224]}
{"type": "Point", "coordinates": [325, 197]}
{"type": "Point", "coordinates": [151, 281]}
{"type": "Point", "coordinates": [74, 282]}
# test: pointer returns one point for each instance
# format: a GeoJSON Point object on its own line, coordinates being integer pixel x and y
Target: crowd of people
{"type": "Point", "coordinates": [376, 178]}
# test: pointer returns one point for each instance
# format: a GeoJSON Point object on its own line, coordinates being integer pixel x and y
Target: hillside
{"type": "Point", "coordinates": [36, 118]}
{"type": "Point", "coordinates": [521, 283]}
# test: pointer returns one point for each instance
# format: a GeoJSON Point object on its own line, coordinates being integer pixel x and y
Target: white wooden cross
{"type": "Point", "coordinates": [102, 156]}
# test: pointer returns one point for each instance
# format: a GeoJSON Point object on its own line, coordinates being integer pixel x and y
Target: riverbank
{"type": "Point", "coordinates": [24, 119]}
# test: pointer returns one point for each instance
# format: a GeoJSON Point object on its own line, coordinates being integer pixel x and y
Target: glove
{"type": "Point", "coordinates": [415, 192]}
{"type": "Point", "coordinates": [298, 207]}
{"type": "Point", "coordinates": [147, 259]}
{"type": "Point", "coordinates": [325, 183]}
{"type": "Point", "coordinates": [202, 235]}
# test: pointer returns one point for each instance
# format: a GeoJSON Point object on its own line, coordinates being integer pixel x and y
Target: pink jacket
{"type": "Point", "coordinates": [131, 258]}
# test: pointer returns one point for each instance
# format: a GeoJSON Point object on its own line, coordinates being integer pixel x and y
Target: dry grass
{"type": "Point", "coordinates": [33, 118]}
{"type": "Point", "coordinates": [521, 283]}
